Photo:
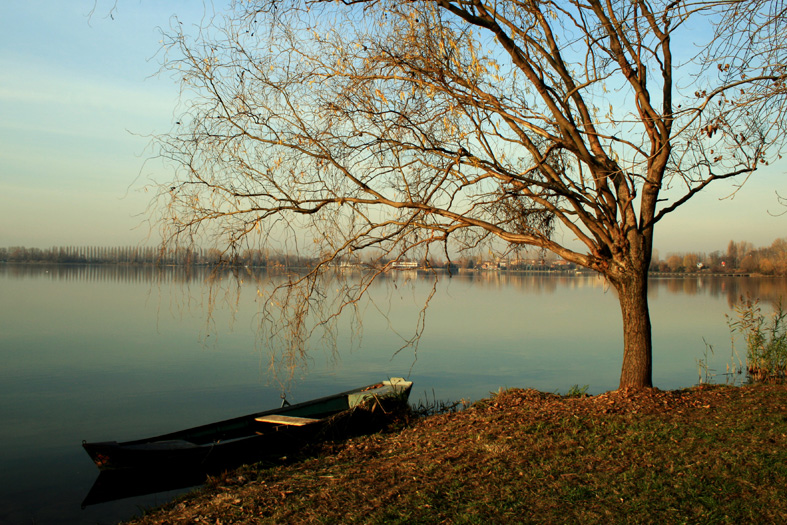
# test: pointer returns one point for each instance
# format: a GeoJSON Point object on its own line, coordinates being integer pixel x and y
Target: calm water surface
{"type": "Point", "coordinates": [104, 353]}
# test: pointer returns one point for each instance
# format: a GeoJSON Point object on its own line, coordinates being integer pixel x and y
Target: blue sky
{"type": "Point", "coordinates": [79, 97]}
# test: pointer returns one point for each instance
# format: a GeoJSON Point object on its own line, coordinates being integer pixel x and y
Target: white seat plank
{"type": "Point", "coordinates": [285, 420]}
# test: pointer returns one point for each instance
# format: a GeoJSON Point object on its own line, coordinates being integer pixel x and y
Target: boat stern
{"type": "Point", "coordinates": [396, 386]}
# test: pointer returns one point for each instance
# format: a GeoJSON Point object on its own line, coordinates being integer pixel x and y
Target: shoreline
{"type": "Point", "coordinates": [707, 453]}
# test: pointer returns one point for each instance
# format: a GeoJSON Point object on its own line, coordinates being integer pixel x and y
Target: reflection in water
{"type": "Point", "coordinates": [112, 485]}
{"type": "Point", "coordinates": [126, 273]}
{"type": "Point", "coordinates": [768, 289]}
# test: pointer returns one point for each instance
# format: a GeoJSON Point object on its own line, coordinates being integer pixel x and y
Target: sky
{"type": "Point", "coordinates": [79, 99]}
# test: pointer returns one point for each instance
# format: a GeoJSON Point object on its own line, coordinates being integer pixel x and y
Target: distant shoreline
{"type": "Point", "coordinates": [419, 270]}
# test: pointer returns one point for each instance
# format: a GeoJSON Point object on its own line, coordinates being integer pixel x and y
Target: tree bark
{"type": "Point", "coordinates": [637, 369]}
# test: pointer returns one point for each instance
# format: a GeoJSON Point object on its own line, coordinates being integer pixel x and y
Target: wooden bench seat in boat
{"type": "Point", "coordinates": [285, 420]}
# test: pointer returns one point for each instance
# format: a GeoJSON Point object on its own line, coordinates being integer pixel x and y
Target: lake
{"type": "Point", "coordinates": [111, 352]}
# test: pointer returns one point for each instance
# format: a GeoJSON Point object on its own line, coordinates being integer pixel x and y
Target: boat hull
{"type": "Point", "coordinates": [251, 438]}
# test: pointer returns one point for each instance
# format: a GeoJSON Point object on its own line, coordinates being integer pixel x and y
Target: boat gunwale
{"type": "Point", "coordinates": [242, 423]}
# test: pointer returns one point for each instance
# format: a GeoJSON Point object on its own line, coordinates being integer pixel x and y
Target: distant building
{"type": "Point", "coordinates": [404, 265]}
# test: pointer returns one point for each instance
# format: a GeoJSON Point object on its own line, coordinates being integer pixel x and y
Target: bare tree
{"type": "Point", "coordinates": [403, 127]}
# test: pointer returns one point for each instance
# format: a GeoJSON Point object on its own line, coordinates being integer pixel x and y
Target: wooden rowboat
{"type": "Point", "coordinates": [253, 437]}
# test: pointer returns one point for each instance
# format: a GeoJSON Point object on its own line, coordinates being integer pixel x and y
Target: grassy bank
{"type": "Point", "coordinates": [706, 454]}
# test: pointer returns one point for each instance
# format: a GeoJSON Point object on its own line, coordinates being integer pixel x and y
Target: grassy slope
{"type": "Point", "coordinates": [706, 454]}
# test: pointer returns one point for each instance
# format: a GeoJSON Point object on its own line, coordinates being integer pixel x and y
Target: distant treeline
{"type": "Point", "coordinates": [253, 259]}
{"type": "Point", "coordinates": [144, 255]}
{"type": "Point", "coordinates": [739, 257]}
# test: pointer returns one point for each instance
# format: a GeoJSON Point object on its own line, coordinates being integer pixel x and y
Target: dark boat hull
{"type": "Point", "coordinates": [177, 455]}
{"type": "Point", "coordinates": [250, 438]}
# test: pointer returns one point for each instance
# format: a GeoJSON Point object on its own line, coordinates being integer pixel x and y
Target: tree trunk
{"type": "Point", "coordinates": [637, 369]}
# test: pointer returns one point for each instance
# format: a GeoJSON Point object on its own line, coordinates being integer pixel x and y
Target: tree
{"type": "Point", "coordinates": [749, 263]}
{"type": "Point", "coordinates": [732, 254]}
{"type": "Point", "coordinates": [766, 266]}
{"type": "Point", "coordinates": [675, 263]}
{"type": "Point", "coordinates": [690, 261]}
{"type": "Point", "coordinates": [402, 127]}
